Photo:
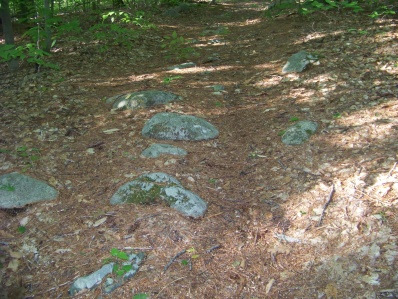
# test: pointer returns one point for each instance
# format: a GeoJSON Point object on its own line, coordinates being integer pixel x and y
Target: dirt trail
{"type": "Point", "coordinates": [265, 198]}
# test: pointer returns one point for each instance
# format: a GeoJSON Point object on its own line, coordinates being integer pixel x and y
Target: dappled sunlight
{"type": "Point", "coordinates": [200, 69]}
{"type": "Point", "coordinates": [283, 220]}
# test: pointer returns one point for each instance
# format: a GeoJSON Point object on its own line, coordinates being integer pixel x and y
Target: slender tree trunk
{"type": "Point", "coordinates": [47, 25]}
{"type": "Point", "coordinates": [7, 29]}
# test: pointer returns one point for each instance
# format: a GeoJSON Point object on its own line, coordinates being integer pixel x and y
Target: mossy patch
{"type": "Point", "coordinates": [155, 187]}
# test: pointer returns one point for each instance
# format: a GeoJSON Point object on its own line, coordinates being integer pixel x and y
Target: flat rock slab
{"type": "Point", "coordinates": [18, 190]}
{"type": "Point", "coordinates": [157, 149]}
{"type": "Point", "coordinates": [299, 132]}
{"type": "Point", "coordinates": [94, 279]}
{"type": "Point", "coordinates": [174, 126]}
{"type": "Point", "coordinates": [149, 188]}
{"type": "Point", "coordinates": [185, 65]}
{"type": "Point", "coordinates": [142, 99]}
{"type": "Point", "coordinates": [298, 62]}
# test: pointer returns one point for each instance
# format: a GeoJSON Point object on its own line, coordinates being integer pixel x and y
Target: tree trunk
{"type": "Point", "coordinates": [47, 25]}
{"type": "Point", "coordinates": [7, 30]}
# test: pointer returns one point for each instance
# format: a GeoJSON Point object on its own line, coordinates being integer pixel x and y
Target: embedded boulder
{"type": "Point", "coordinates": [142, 99]}
{"type": "Point", "coordinates": [174, 126]}
{"type": "Point", "coordinates": [96, 278]}
{"type": "Point", "coordinates": [149, 188]}
{"type": "Point", "coordinates": [157, 149]}
{"type": "Point", "coordinates": [299, 132]}
{"type": "Point", "coordinates": [18, 190]}
{"type": "Point", "coordinates": [298, 62]}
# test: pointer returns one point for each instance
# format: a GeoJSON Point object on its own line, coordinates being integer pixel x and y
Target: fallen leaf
{"type": "Point", "coordinates": [99, 222]}
{"type": "Point", "coordinates": [110, 131]}
{"type": "Point", "coordinates": [269, 285]}
{"type": "Point", "coordinates": [13, 265]}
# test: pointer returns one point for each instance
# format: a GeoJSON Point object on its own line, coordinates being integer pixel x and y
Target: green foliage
{"type": "Point", "coordinates": [184, 262]}
{"type": "Point", "coordinates": [336, 115]}
{"type": "Point", "coordinates": [169, 79]}
{"type": "Point", "coordinates": [70, 27]}
{"type": "Point", "coordinates": [28, 53]}
{"type": "Point", "coordinates": [127, 18]}
{"type": "Point", "coordinates": [21, 229]}
{"type": "Point", "coordinates": [28, 155]}
{"type": "Point", "coordinates": [119, 254]}
{"type": "Point", "coordinates": [293, 119]}
{"type": "Point", "coordinates": [140, 296]}
{"type": "Point", "coordinates": [192, 252]}
{"type": "Point", "coordinates": [113, 35]}
{"type": "Point", "coordinates": [382, 11]}
{"type": "Point", "coordinates": [176, 47]}
{"type": "Point", "coordinates": [121, 270]}
{"type": "Point", "coordinates": [307, 7]}
{"type": "Point", "coordinates": [114, 29]}
{"type": "Point", "coordinates": [171, 3]}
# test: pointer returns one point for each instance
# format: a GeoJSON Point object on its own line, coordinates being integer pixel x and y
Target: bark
{"type": "Point", "coordinates": [7, 30]}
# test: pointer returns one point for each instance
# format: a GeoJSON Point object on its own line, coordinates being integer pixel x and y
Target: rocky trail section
{"type": "Point", "coordinates": [276, 227]}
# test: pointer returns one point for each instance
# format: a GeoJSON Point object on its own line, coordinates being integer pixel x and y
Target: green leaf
{"type": "Point", "coordinates": [191, 250]}
{"type": "Point", "coordinates": [140, 296]}
{"type": "Point", "coordinates": [119, 254]}
{"type": "Point", "coordinates": [336, 115]}
{"type": "Point", "coordinates": [195, 256]}
{"type": "Point", "coordinates": [184, 262]}
{"type": "Point", "coordinates": [281, 132]}
{"type": "Point", "coordinates": [127, 268]}
{"type": "Point", "coordinates": [294, 118]}
{"type": "Point", "coordinates": [21, 229]}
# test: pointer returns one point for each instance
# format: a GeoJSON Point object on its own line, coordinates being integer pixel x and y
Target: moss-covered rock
{"type": "Point", "coordinates": [159, 186]}
{"type": "Point", "coordinates": [299, 132]}
{"type": "Point", "coordinates": [142, 99]}
{"type": "Point", "coordinates": [174, 126]}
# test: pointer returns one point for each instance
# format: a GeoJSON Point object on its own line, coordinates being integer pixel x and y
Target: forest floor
{"type": "Point", "coordinates": [274, 227]}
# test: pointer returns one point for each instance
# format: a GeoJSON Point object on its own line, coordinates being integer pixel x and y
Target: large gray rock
{"type": "Point", "coordinates": [18, 190]}
{"type": "Point", "coordinates": [157, 149]}
{"type": "Point", "coordinates": [142, 99]}
{"type": "Point", "coordinates": [149, 188]}
{"type": "Point", "coordinates": [298, 62]}
{"type": "Point", "coordinates": [299, 132]}
{"type": "Point", "coordinates": [174, 126]}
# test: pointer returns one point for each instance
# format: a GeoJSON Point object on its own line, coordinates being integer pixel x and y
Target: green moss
{"type": "Point", "coordinates": [146, 191]}
{"type": "Point", "coordinates": [140, 196]}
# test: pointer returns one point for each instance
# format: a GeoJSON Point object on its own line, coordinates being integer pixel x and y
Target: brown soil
{"type": "Point", "coordinates": [265, 198]}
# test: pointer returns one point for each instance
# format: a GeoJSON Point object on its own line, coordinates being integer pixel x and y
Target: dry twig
{"type": "Point", "coordinates": [173, 259]}
{"type": "Point", "coordinates": [326, 205]}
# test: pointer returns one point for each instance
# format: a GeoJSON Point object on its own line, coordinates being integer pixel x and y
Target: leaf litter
{"type": "Point", "coordinates": [268, 203]}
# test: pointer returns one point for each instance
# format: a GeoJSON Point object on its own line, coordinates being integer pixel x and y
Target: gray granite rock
{"type": "Point", "coordinates": [298, 62]}
{"type": "Point", "coordinates": [94, 279]}
{"type": "Point", "coordinates": [150, 188]}
{"type": "Point", "coordinates": [299, 132]}
{"type": "Point", "coordinates": [157, 149]}
{"type": "Point", "coordinates": [185, 65]}
{"type": "Point", "coordinates": [174, 126]}
{"type": "Point", "coordinates": [184, 201]}
{"type": "Point", "coordinates": [18, 190]}
{"type": "Point", "coordinates": [142, 99]}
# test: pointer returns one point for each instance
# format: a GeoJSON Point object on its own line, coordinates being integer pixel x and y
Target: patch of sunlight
{"type": "Point", "coordinates": [201, 69]}
{"type": "Point", "coordinates": [142, 77]}
{"type": "Point", "coordinates": [269, 66]}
